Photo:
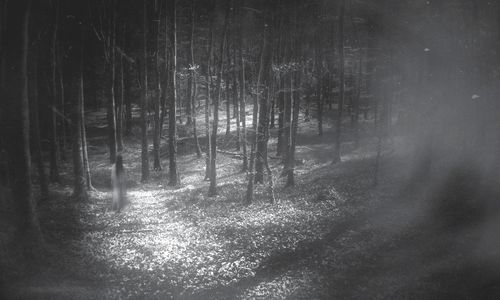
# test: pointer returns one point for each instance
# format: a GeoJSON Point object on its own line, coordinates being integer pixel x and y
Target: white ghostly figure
{"type": "Point", "coordinates": [118, 181]}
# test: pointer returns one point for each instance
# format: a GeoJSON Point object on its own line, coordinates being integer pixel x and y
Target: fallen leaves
{"type": "Point", "coordinates": [197, 243]}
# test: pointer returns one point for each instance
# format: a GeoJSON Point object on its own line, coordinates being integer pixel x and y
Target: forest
{"type": "Point", "coordinates": [249, 149]}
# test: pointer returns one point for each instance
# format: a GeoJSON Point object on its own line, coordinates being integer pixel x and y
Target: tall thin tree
{"type": "Point", "coordinates": [35, 129]}
{"type": "Point", "coordinates": [213, 159]}
{"type": "Point", "coordinates": [157, 100]}
{"type": "Point", "coordinates": [174, 178]}
{"type": "Point", "coordinates": [243, 113]}
{"type": "Point", "coordinates": [121, 102]}
{"type": "Point", "coordinates": [338, 134]}
{"type": "Point", "coordinates": [79, 190]}
{"type": "Point", "coordinates": [294, 98]}
{"type": "Point", "coordinates": [17, 123]}
{"type": "Point", "coordinates": [81, 96]}
{"type": "Point", "coordinates": [111, 107]}
{"type": "Point", "coordinates": [54, 149]}
{"type": "Point", "coordinates": [255, 134]}
{"type": "Point", "coordinates": [192, 84]}
{"type": "Point", "coordinates": [236, 101]}
{"type": "Point", "coordinates": [209, 92]}
{"type": "Point", "coordinates": [144, 99]}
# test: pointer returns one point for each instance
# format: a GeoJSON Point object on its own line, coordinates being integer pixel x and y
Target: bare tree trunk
{"type": "Point", "coordinates": [263, 130]}
{"type": "Point", "coordinates": [166, 80]}
{"type": "Point", "coordinates": [209, 92]}
{"type": "Point", "coordinates": [79, 190]}
{"type": "Point", "coordinates": [54, 149]}
{"type": "Point", "coordinates": [338, 134]}
{"type": "Point", "coordinates": [157, 101]}
{"type": "Point", "coordinates": [263, 126]}
{"type": "Point", "coordinates": [228, 102]}
{"type": "Point", "coordinates": [295, 124]}
{"type": "Point", "coordinates": [272, 198]}
{"type": "Point", "coordinates": [174, 179]}
{"type": "Point", "coordinates": [85, 156]}
{"type": "Point", "coordinates": [120, 110]}
{"type": "Point", "coordinates": [193, 81]}
{"type": "Point", "coordinates": [16, 127]}
{"type": "Point", "coordinates": [243, 107]}
{"type": "Point", "coordinates": [359, 80]}
{"type": "Point", "coordinates": [294, 100]}
{"type": "Point", "coordinates": [262, 133]}
{"type": "Point", "coordinates": [62, 106]}
{"type": "Point", "coordinates": [236, 103]}
{"type": "Point", "coordinates": [3, 25]}
{"type": "Point", "coordinates": [144, 100]}
{"type": "Point", "coordinates": [64, 123]}
{"type": "Point", "coordinates": [126, 86]}
{"type": "Point", "coordinates": [319, 94]}
{"type": "Point", "coordinates": [281, 116]}
{"type": "Point", "coordinates": [207, 126]}
{"type": "Point", "coordinates": [112, 101]}
{"type": "Point", "coordinates": [287, 103]}
{"type": "Point", "coordinates": [272, 124]}
{"type": "Point", "coordinates": [128, 101]}
{"type": "Point", "coordinates": [213, 159]}
{"type": "Point", "coordinates": [189, 100]}
{"type": "Point", "coordinates": [376, 170]}
{"type": "Point", "coordinates": [255, 136]}
{"type": "Point", "coordinates": [35, 130]}
{"type": "Point", "coordinates": [357, 98]}
{"type": "Point", "coordinates": [307, 92]}
{"type": "Point", "coordinates": [280, 86]}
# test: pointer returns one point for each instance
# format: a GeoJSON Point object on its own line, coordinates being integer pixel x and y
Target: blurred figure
{"type": "Point", "coordinates": [118, 182]}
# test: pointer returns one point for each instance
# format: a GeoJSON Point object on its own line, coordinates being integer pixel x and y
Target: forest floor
{"type": "Point", "coordinates": [335, 235]}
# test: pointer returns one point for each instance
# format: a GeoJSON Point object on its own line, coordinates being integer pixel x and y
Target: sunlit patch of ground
{"type": "Point", "coordinates": [177, 242]}
{"type": "Point", "coordinates": [186, 242]}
